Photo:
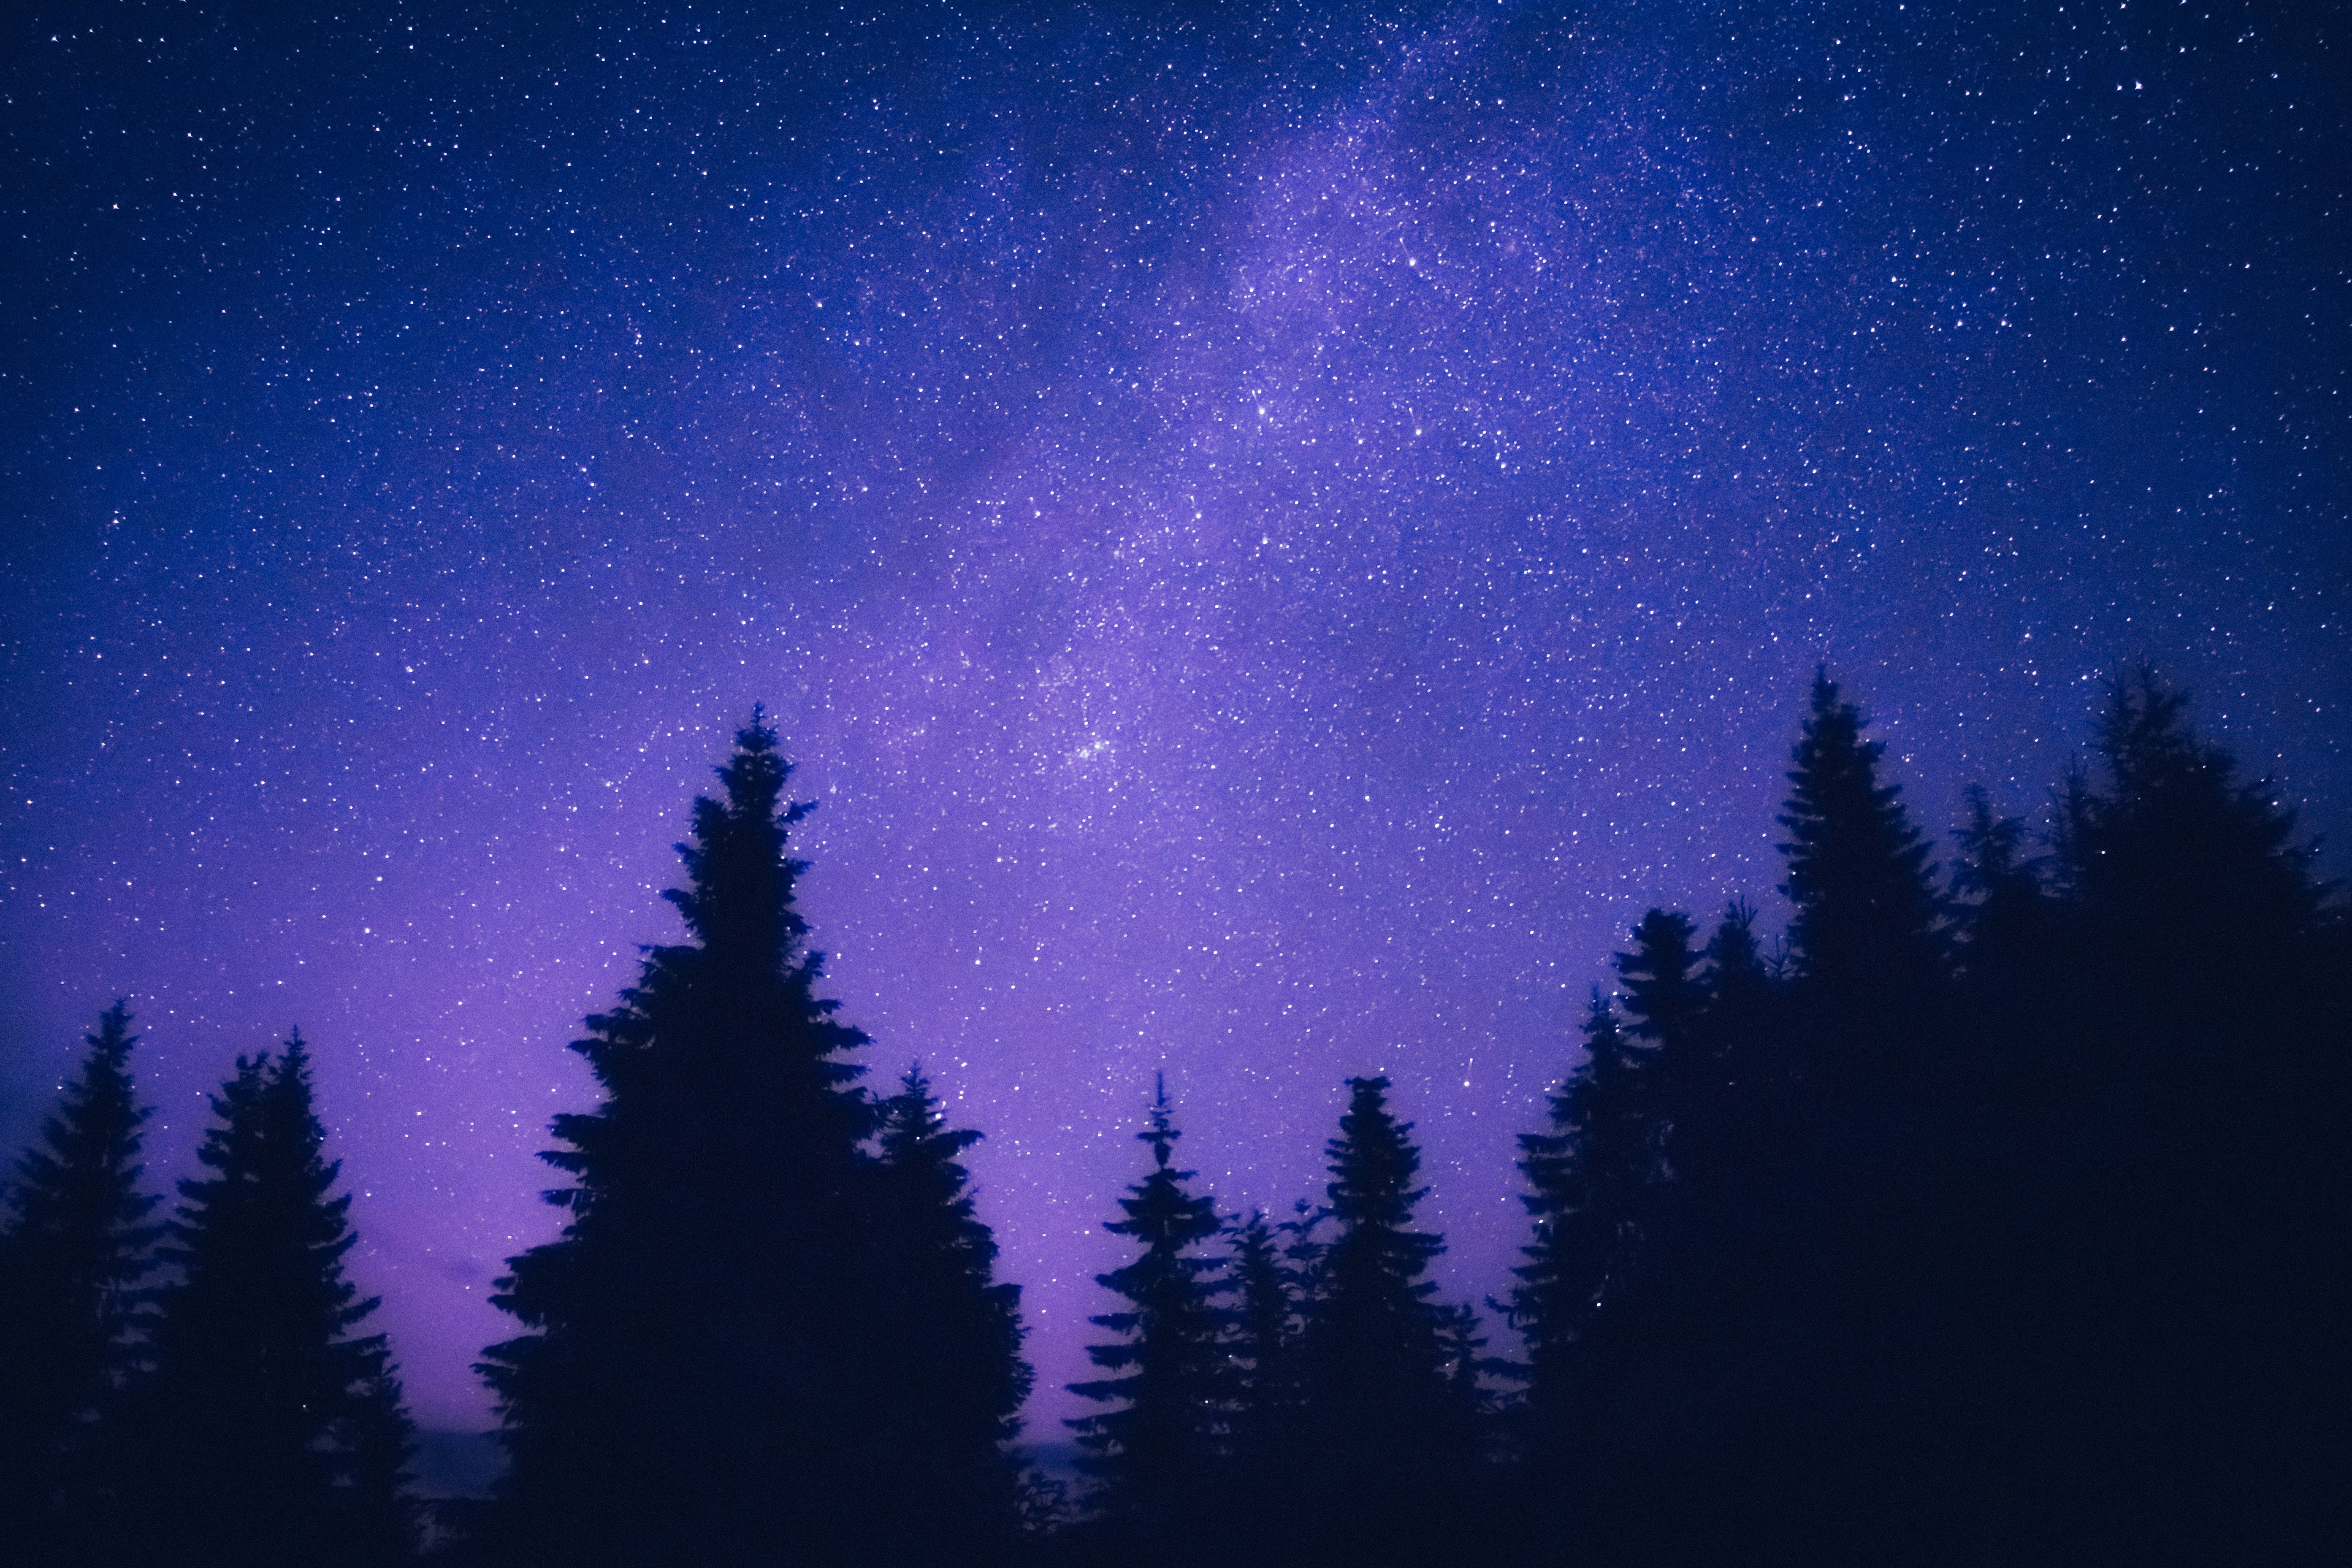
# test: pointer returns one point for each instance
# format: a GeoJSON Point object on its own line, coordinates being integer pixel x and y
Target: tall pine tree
{"type": "Point", "coordinates": [2187, 1317]}
{"type": "Point", "coordinates": [952, 1384]}
{"type": "Point", "coordinates": [698, 1367]}
{"type": "Point", "coordinates": [274, 1434]}
{"type": "Point", "coordinates": [1588, 1181]}
{"type": "Point", "coordinates": [1263, 1347]}
{"type": "Point", "coordinates": [71, 1258]}
{"type": "Point", "coordinates": [1390, 1438]}
{"type": "Point", "coordinates": [1866, 912]}
{"type": "Point", "coordinates": [1156, 1452]}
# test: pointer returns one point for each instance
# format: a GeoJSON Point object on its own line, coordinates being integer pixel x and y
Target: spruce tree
{"type": "Point", "coordinates": [1665, 1009]}
{"type": "Point", "coordinates": [1274, 1271]}
{"type": "Point", "coordinates": [274, 1434]}
{"type": "Point", "coordinates": [1387, 1428]}
{"type": "Point", "coordinates": [1588, 1181]}
{"type": "Point", "coordinates": [1662, 996]}
{"type": "Point", "coordinates": [1868, 1182]}
{"type": "Point", "coordinates": [2183, 863]}
{"type": "Point", "coordinates": [2202, 1153]}
{"type": "Point", "coordinates": [2004, 915]}
{"type": "Point", "coordinates": [1264, 1344]}
{"type": "Point", "coordinates": [698, 1364]}
{"type": "Point", "coordinates": [954, 1377]}
{"type": "Point", "coordinates": [71, 1258]}
{"type": "Point", "coordinates": [1866, 927]}
{"type": "Point", "coordinates": [1156, 1452]}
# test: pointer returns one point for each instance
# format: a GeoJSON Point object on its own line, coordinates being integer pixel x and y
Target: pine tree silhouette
{"type": "Point", "coordinates": [1386, 1430]}
{"type": "Point", "coordinates": [1589, 1191]}
{"type": "Point", "coordinates": [1662, 996]}
{"type": "Point", "coordinates": [276, 1435]}
{"type": "Point", "coordinates": [2184, 863]}
{"type": "Point", "coordinates": [1666, 1005]}
{"type": "Point", "coordinates": [1866, 910]}
{"type": "Point", "coordinates": [2005, 915]}
{"type": "Point", "coordinates": [1267, 1320]}
{"type": "Point", "coordinates": [2003, 1252]}
{"type": "Point", "coordinates": [956, 1379]}
{"type": "Point", "coordinates": [2169, 1370]}
{"type": "Point", "coordinates": [71, 1258]}
{"type": "Point", "coordinates": [700, 1355]}
{"type": "Point", "coordinates": [1156, 1453]}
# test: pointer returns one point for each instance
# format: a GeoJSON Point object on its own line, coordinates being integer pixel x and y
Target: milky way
{"type": "Point", "coordinates": [1273, 536]}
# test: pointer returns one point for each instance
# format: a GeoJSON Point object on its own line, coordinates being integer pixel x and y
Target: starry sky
{"type": "Point", "coordinates": [1274, 531]}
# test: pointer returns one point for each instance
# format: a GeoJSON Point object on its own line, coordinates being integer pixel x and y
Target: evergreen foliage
{"type": "Point", "coordinates": [71, 1258]}
{"type": "Point", "coordinates": [1263, 1347]}
{"type": "Point", "coordinates": [1588, 1180]}
{"type": "Point", "coordinates": [1273, 1270]}
{"type": "Point", "coordinates": [699, 1354]}
{"type": "Point", "coordinates": [1156, 1453]}
{"type": "Point", "coordinates": [1866, 912]}
{"type": "Point", "coordinates": [1912, 1281]}
{"type": "Point", "coordinates": [1662, 996]}
{"type": "Point", "coordinates": [1388, 1430]}
{"type": "Point", "coordinates": [955, 1379]}
{"type": "Point", "coordinates": [274, 1435]}
{"type": "Point", "coordinates": [2192, 1029]}
{"type": "Point", "coordinates": [1990, 1230]}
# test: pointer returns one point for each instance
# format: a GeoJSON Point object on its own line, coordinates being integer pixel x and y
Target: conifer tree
{"type": "Point", "coordinates": [2201, 1153]}
{"type": "Point", "coordinates": [276, 1435]}
{"type": "Point", "coordinates": [71, 1258]}
{"type": "Point", "coordinates": [955, 1377]}
{"type": "Point", "coordinates": [1738, 981]}
{"type": "Point", "coordinates": [1264, 1344]}
{"type": "Point", "coordinates": [1386, 1427]}
{"type": "Point", "coordinates": [1662, 996]}
{"type": "Point", "coordinates": [699, 1357]}
{"type": "Point", "coordinates": [1589, 1191]}
{"type": "Point", "coordinates": [1156, 1453]}
{"type": "Point", "coordinates": [1866, 910]}
{"type": "Point", "coordinates": [2003, 916]}
{"type": "Point", "coordinates": [2178, 857]}
{"type": "Point", "coordinates": [1665, 1007]}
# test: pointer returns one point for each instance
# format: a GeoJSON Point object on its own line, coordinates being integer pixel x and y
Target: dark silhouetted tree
{"type": "Point", "coordinates": [2176, 856]}
{"type": "Point", "coordinates": [2005, 917]}
{"type": "Point", "coordinates": [701, 1355]}
{"type": "Point", "coordinates": [952, 1341]}
{"type": "Point", "coordinates": [1388, 1432]}
{"type": "Point", "coordinates": [1866, 912]}
{"type": "Point", "coordinates": [1588, 1181]}
{"type": "Point", "coordinates": [1156, 1453]}
{"type": "Point", "coordinates": [1264, 1343]}
{"type": "Point", "coordinates": [2194, 1154]}
{"type": "Point", "coordinates": [1662, 996]}
{"type": "Point", "coordinates": [276, 1435]}
{"type": "Point", "coordinates": [1666, 1014]}
{"type": "Point", "coordinates": [71, 1258]}
{"type": "Point", "coordinates": [1273, 1269]}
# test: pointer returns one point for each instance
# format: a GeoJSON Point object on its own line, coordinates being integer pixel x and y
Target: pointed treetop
{"type": "Point", "coordinates": [1660, 993]}
{"type": "Point", "coordinates": [740, 902]}
{"type": "Point", "coordinates": [1866, 908]}
{"type": "Point", "coordinates": [1373, 1161]}
{"type": "Point", "coordinates": [2144, 731]}
{"type": "Point", "coordinates": [1158, 1130]}
{"type": "Point", "coordinates": [94, 1135]}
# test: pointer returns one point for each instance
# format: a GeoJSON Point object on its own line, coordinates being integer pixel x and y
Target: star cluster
{"type": "Point", "coordinates": [1273, 532]}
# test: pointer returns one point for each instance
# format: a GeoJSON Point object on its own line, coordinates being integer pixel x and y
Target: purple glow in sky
{"type": "Point", "coordinates": [1273, 536]}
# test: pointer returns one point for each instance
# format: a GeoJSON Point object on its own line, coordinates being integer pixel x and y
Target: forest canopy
{"type": "Point", "coordinates": [1986, 1213]}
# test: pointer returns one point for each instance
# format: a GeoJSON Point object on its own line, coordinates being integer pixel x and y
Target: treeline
{"type": "Point", "coordinates": [1987, 1218]}
{"type": "Point", "coordinates": [194, 1389]}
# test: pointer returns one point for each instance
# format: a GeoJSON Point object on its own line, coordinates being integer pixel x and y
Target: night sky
{"type": "Point", "coordinates": [1273, 535]}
